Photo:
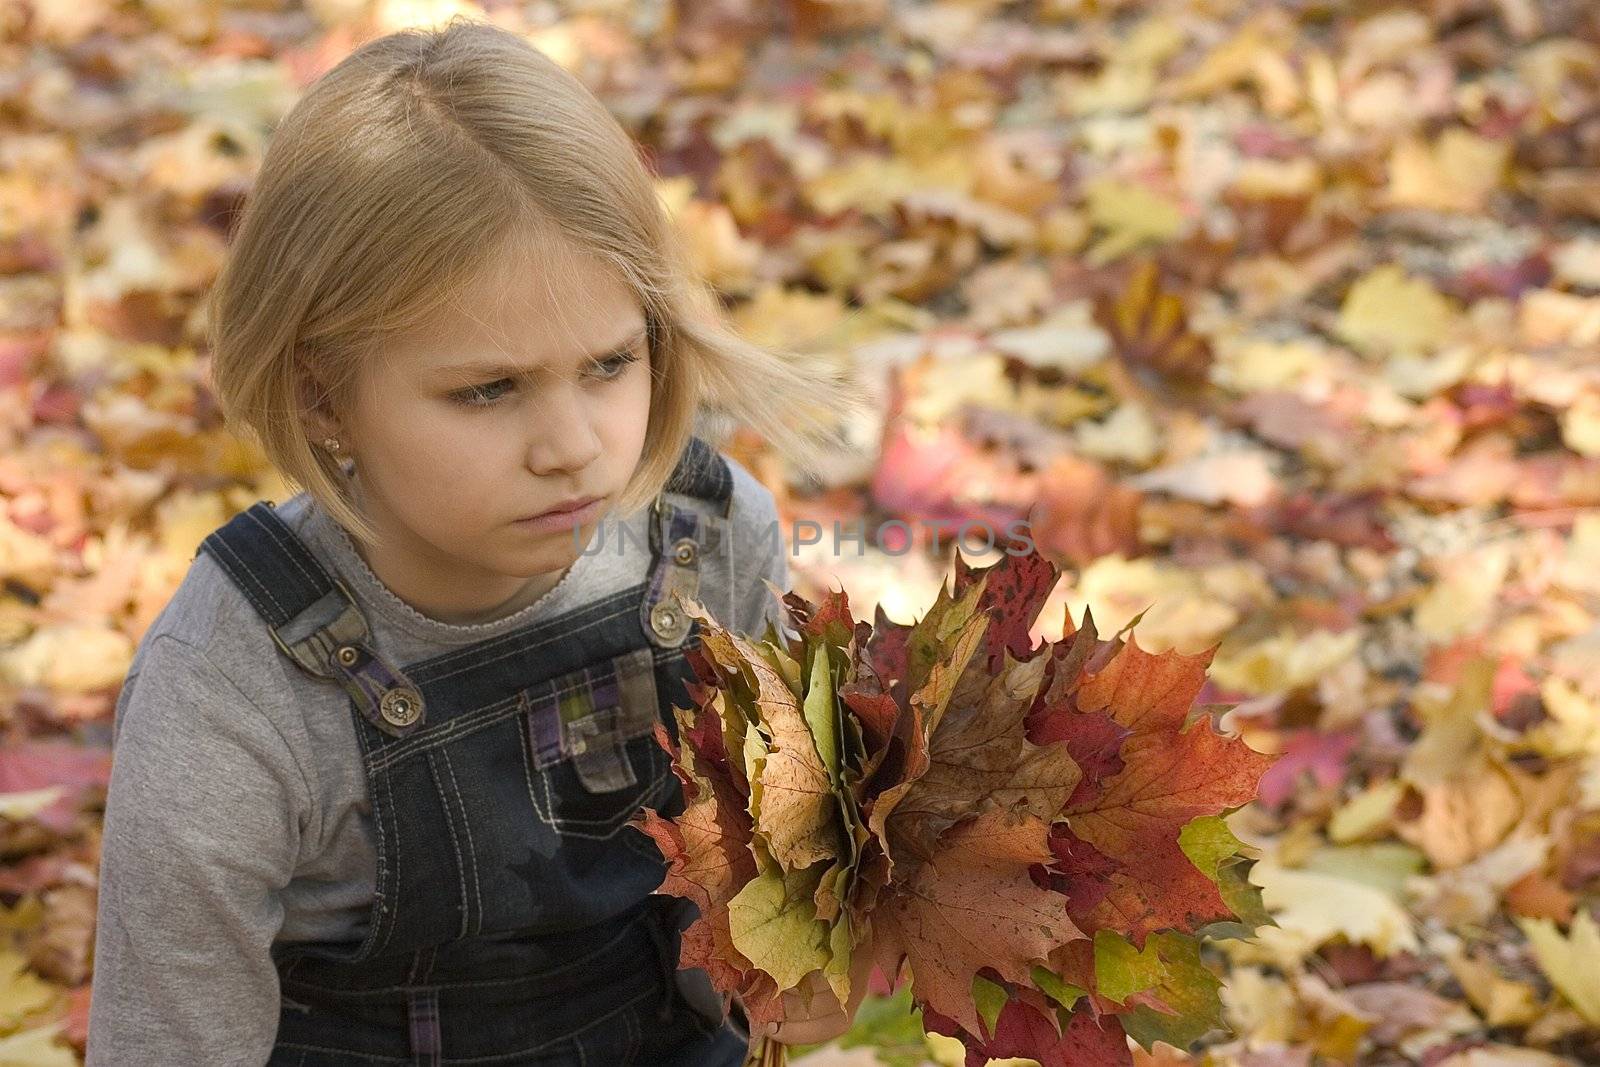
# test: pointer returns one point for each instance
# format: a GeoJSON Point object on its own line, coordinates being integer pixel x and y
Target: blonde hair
{"type": "Point", "coordinates": [399, 175]}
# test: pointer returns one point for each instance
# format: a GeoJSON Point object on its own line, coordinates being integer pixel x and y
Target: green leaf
{"type": "Point", "coordinates": [990, 999]}
{"type": "Point", "coordinates": [1121, 970]}
{"type": "Point", "coordinates": [1243, 897]}
{"type": "Point", "coordinates": [754, 757]}
{"type": "Point", "coordinates": [1053, 987]}
{"type": "Point", "coordinates": [1189, 987]}
{"type": "Point", "coordinates": [934, 635]}
{"type": "Point", "coordinates": [1207, 841]}
{"type": "Point", "coordinates": [821, 712]}
{"type": "Point", "coordinates": [1214, 850]}
{"type": "Point", "coordinates": [891, 1026]}
{"type": "Point", "coordinates": [773, 920]}
{"type": "Point", "coordinates": [840, 948]}
{"type": "Point", "coordinates": [780, 660]}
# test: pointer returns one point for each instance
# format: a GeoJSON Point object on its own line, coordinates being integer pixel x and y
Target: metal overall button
{"type": "Point", "coordinates": [684, 551]}
{"type": "Point", "coordinates": [401, 707]}
{"type": "Point", "coordinates": [667, 621]}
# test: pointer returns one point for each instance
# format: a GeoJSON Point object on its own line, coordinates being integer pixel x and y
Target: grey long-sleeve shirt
{"type": "Point", "coordinates": [237, 811]}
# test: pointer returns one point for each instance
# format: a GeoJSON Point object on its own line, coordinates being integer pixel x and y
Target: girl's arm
{"type": "Point", "coordinates": [761, 550]}
{"type": "Point", "coordinates": [204, 813]}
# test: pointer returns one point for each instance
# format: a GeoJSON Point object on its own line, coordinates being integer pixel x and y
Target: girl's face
{"type": "Point", "coordinates": [533, 391]}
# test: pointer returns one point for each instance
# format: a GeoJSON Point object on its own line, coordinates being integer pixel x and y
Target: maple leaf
{"type": "Point", "coordinates": [1029, 1027]}
{"type": "Point", "coordinates": [1170, 775]}
{"type": "Point", "coordinates": [1014, 592]}
{"type": "Point", "coordinates": [979, 759]}
{"type": "Point", "coordinates": [1149, 328]}
{"type": "Point", "coordinates": [797, 808]}
{"type": "Point", "coordinates": [956, 800]}
{"type": "Point", "coordinates": [970, 906]}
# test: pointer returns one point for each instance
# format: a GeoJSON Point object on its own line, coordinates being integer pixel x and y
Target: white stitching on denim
{"type": "Point", "coordinates": [463, 725]}
{"type": "Point", "coordinates": [388, 792]}
{"type": "Point", "coordinates": [249, 579]}
{"type": "Point", "coordinates": [572, 826]}
{"type": "Point", "coordinates": [526, 737]}
{"type": "Point", "coordinates": [455, 729]}
{"type": "Point", "coordinates": [626, 1005]}
{"type": "Point", "coordinates": [459, 726]}
{"type": "Point", "coordinates": [366, 758]}
{"type": "Point", "coordinates": [288, 549]}
{"type": "Point", "coordinates": [630, 1019]}
{"type": "Point", "coordinates": [466, 828]}
{"type": "Point", "coordinates": [461, 867]}
{"type": "Point", "coordinates": [569, 826]}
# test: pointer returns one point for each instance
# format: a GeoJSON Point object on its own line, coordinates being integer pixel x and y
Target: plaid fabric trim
{"type": "Point", "coordinates": [593, 709]}
{"type": "Point", "coordinates": [422, 1013]}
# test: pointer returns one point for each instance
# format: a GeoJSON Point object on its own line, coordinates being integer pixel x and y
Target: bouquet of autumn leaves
{"type": "Point", "coordinates": [1034, 833]}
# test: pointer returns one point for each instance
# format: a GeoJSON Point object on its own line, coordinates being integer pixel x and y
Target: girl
{"type": "Point", "coordinates": [375, 760]}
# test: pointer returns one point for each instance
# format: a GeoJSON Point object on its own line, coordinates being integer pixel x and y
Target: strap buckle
{"type": "Point", "coordinates": [330, 639]}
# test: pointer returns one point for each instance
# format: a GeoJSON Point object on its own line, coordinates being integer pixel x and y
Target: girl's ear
{"type": "Point", "coordinates": [311, 394]}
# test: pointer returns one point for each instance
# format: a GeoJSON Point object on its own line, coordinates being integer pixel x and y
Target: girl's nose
{"type": "Point", "coordinates": [564, 437]}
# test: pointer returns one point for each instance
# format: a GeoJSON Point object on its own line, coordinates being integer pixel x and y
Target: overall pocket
{"type": "Point", "coordinates": [591, 745]}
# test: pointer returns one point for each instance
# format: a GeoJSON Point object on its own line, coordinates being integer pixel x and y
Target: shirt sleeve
{"type": "Point", "coordinates": [760, 551]}
{"type": "Point", "coordinates": [204, 814]}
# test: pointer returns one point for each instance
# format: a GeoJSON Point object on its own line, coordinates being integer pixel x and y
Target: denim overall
{"type": "Point", "coordinates": [513, 922]}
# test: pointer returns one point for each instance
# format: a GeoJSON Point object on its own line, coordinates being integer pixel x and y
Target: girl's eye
{"type": "Point", "coordinates": [474, 396]}
{"type": "Point", "coordinates": [617, 364]}
{"type": "Point", "coordinates": [486, 395]}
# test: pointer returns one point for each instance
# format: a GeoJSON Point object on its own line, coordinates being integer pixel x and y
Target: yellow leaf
{"type": "Point", "coordinates": [186, 519]}
{"type": "Point", "coordinates": [1418, 377]}
{"type": "Point", "coordinates": [1287, 661]}
{"type": "Point", "coordinates": [1580, 425]}
{"type": "Point", "coordinates": [1367, 814]}
{"type": "Point", "coordinates": [1312, 908]}
{"type": "Point", "coordinates": [1253, 365]}
{"type": "Point", "coordinates": [1502, 1001]}
{"type": "Point", "coordinates": [1259, 1004]}
{"type": "Point", "coordinates": [22, 992]}
{"type": "Point", "coordinates": [37, 1047]}
{"type": "Point", "coordinates": [72, 657]}
{"type": "Point", "coordinates": [1179, 611]}
{"type": "Point", "coordinates": [1456, 173]}
{"type": "Point", "coordinates": [792, 318]}
{"type": "Point", "coordinates": [1451, 736]}
{"type": "Point", "coordinates": [28, 802]}
{"type": "Point", "coordinates": [1570, 962]}
{"type": "Point", "coordinates": [1131, 215]}
{"type": "Point", "coordinates": [1465, 600]}
{"type": "Point", "coordinates": [1496, 1055]}
{"type": "Point", "coordinates": [1118, 87]}
{"type": "Point", "coordinates": [1572, 723]}
{"type": "Point", "coordinates": [1386, 311]}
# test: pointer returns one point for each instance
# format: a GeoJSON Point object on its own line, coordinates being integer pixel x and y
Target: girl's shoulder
{"type": "Point", "coordinates": [210, 614]}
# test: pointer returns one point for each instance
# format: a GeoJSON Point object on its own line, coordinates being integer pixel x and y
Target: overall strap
{"type": "Point", "coordinates": [312, 616]}
{"type": "Point", "coordinates": [687, 520]}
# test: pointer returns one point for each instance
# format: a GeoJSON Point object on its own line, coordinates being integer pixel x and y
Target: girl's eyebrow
{"type": "Point", "coordinates": [480, 369]}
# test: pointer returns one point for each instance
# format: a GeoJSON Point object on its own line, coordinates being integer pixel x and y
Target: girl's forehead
{"type": "Point", "coordinates": [538, 301]}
